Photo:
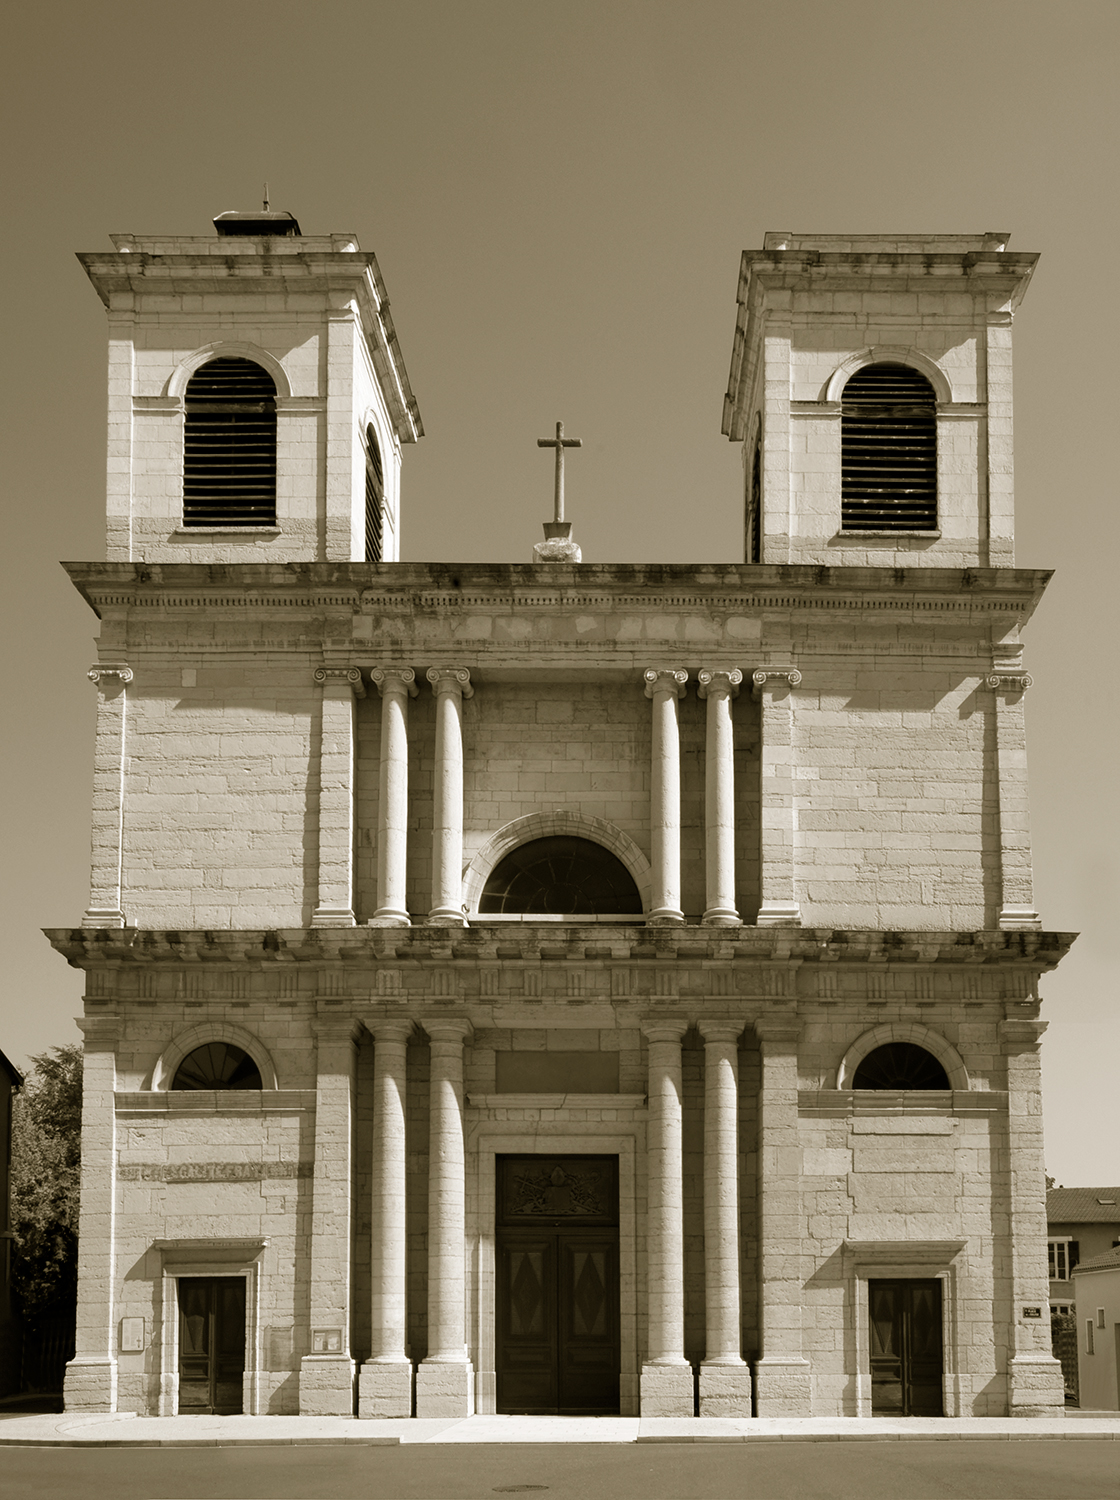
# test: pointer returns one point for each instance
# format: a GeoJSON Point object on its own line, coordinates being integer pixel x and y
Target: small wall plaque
{"type": "Point", "coordinates": [1032, 1312]}
{"type": "Point", "coordinates": [326, 1341]}
{"type": "Point", "coordinates": [132, 1335]}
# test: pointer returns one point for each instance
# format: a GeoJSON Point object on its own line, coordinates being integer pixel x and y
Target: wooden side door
{"type": "Point", "coordinates": [211, 1344]}
{"type": "Point", "coordinates": [907, 1348]}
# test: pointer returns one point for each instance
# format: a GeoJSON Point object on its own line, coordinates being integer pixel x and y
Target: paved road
{"type": "Point", "coordinates": [1025, 1470]}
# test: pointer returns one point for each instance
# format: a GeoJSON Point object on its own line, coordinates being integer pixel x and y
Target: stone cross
{"type": "Point", "coordinates": [559, 442]}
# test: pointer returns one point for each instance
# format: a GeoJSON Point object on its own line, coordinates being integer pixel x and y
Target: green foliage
{"type": "Point", "coordinates": [46, 1165]}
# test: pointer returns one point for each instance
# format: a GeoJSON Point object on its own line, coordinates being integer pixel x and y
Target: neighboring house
{"type": "Point", "coordinates": [1097, 1311]}
{"type": "Point", "coordinates": [1081, 1223]}
{"type": "Point", "coordinates": [11, 1079]}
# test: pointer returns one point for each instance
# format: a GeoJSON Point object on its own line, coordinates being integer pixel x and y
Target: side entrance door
{"type": "Point", "coordinates": [211, 1344]}
{"type": "Point", "coordinates": [907, 1352]}
{"type": "Point", "coordinates": [557, 1285]}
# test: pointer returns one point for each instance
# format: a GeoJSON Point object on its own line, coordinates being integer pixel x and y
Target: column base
{"type": "Point", "coordinates": [721, 916]}
{"type": "Point", "coordinates": [104, 916]}
{"type": "Point", "coordinates": [387, 917]}
{"type": "Point", "coordinates": [665, 914]}
{"type": "Point", "coordinates": [1019, 919]}
{"type": "Point", "coordinates": [326, 1385]}
{"type": "Point", "coordinates": [445, 1390]}
{"type": "Point", "coordinates": [385, 1388]}
{"type": "Point", "coordinates": [725, 1390]}
{"type": "Point", "coordinates": [668, 1391]}
{"type": "Point", "coordinates": [1035, 1387]}
{"type": "Point", "coordinates": [447, 916]}
{"type": "Point", "coordinates": [779, 914]}
{"type": "Point", "coordinates": [783, 1387]}
{"type": "Point", "coordinates": [90, 1384]}
{"type": "Point", "coordinates": [333, 916]}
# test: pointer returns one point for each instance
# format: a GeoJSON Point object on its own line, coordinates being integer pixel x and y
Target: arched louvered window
{"type": "Point", "coordinates": [229, 463]}
{"type": "Point", "coordinates": [900, 1065]}
{"type": "Point", "coordinates": [561, 875]}
{"type": "Point", "coordinates": [888, 439]}
{"type": "Point", "coordinates": [217, 1065]}
{"type": "Point", "coordinates": [375, 496]}
{"type": "Point", "coordinates": [753, 549]}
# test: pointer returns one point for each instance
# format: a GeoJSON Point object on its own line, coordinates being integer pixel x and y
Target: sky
{"type": "Point", "coordinates": [558, 195]}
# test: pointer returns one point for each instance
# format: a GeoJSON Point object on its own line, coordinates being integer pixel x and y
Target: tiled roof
{"type": "Point", "coordinates": [1099, 1262]}
{"type": "Point", "coordinates": [1083, 1205]}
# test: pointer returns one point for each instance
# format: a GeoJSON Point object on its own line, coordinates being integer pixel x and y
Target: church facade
{"type": "Point", "coordinates": [560, 987]}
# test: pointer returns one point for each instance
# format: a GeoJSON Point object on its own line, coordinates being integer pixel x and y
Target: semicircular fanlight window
{"type": "Point", "coordinates": [217, 1065]}
{"type": "Point", "coordinates": [900, 1065]}
{"type": "Point", "coordinates": [561, 875]}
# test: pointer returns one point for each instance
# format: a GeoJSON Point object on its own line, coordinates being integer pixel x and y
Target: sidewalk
{"type": "Point", "coordinates": [123, 1430]}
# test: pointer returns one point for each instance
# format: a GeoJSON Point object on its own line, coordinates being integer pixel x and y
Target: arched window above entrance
{"type": "Point", "coordinates": [900, 1065]}
{"type": "Point", "coordinates": [217, 1065]}
{"type": "Point", "coordinates": [561, 875]}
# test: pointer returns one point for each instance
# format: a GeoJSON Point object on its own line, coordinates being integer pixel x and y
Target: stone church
{"type": "Point", "coordinates": [559, 986]}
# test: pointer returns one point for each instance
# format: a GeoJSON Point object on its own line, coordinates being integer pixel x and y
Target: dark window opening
{"type": "Point", "coordinates": [217, 1065]}
{"type": "Point", "coordinates": [888, 439]}
{"type": "Point", "coordinates": [900, 1065]}
{"type": "Point", "coordinates": [375, 497]}
{"type": "Point", "coordinates": [229, 458]}
{"type": "Point", "coordinates": [561, 875]}
{"type": "Point", "coordinates": [754, 506]}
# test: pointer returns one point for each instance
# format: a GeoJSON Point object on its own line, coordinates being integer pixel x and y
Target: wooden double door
{"type": "Point", "coordinates": [557, 1301]}
{"type": "Point", "coordinates": [211, 1344]}
{"type": "Point", "coordinates": [907, 1348]}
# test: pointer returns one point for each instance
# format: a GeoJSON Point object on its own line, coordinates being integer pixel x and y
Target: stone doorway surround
{"type": "Point", "coordinates": [538, 1127]}
{"type": "Point", "coordinates": [209, 1257]}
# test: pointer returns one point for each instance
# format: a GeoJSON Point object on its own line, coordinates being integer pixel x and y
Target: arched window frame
{"type": "Point", "coordinates": [903, 1031]}
{"type": "Point", "coordinates": [544, 825]}
{"type": "Point", "coordinates": [374, 457]}
{"type": "Point", "coordinates": [182, 1045]}
{"type": "Point", "coordinates": [233, 474]}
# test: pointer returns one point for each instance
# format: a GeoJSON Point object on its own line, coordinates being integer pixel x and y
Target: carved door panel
{"type": "Point", "coordinates": [557, 1285]}
{"type": "Point", "coordinates": [907, 1350]}
{"type": "Point", "coordinates": [211, 1344]}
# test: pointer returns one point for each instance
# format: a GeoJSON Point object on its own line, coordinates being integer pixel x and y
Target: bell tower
{"type": "Point", "coordinates": [258, 400]}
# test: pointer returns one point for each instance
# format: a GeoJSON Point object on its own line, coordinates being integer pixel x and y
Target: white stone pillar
{"type": "Point", "coordinates": [326, 1380]}
{"type": "Point", "coordinates": [450, 685]}
{"type": "Point", "coordinates": [385, 1383]}
{"type": "Point", "coordinates": [335, 906]}
{"type": "Point", "coordinates": [1035, 1387]}
{"type": "Point", "coordinates": [665, 687]}
{"type": "Point", "coordinates": [666, 1384]}
{"type": "Point", "coordinates": [782, 1375]}
{"type": "Point", "coordinates": [91, 1376]}
{"type": "Point", "coordinates": [778, 905]}
{"type": "Point", "coordinates": [1017, 911]}
{"type": "Point", "coordinates": [107, 840]}
{"type": "Point", "coordinates": [725, 1378]}
{"type": "Point", "coordinates": [396, 685]}
{"type": "Point", "coordinates": [445, 1377]}
{"type": "Point", "coordinates": [719, 686]}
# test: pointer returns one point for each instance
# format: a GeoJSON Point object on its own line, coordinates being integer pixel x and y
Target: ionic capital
{"type": "Point", "coordinates": [724, 1033]}
{"type": "Point", "coordinates": [394, 680]}
{"type": "Point", "coordinates": [664, 1031]}
{"type": "Point", "coordinates": [763, 678]}
{"type": "Point", "coordinates": [95, 674]}
{"type": "Point", "coordinates": [447, 1033]}
{"type": "Point", "coordinates": [1009, 682]}
{"type": "Point", "coordinates": [719, 681]}
{"type": "Point", "coordinates": [387, 1031]}
{"type": "Point", "coordinates": [351, 677]}
{"type": "Point", "coordinates": [450, 680]}
{"type": "Point", "coordinates": [665, 680]}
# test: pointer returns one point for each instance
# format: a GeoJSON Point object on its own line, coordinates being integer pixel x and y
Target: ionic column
{"type": "Point", "coordinates": [450, 685]}
{"type": "Point", "coordinates": [335, 906]}
{"type": "Point", "coordinates": [107, 834]}
{"type": "Point", "coordinates": [396, 685]}
{"type": "Point", "coordinates": [385, 1383]}
{"type": "Point", "coordinates": [719, 687]}
{"type": "Point", "coordinates": [326, 1379]}
{"type": "Point", "coordinates": [664, 687]}
{"type": "Point", "coordinates": [1035, 1387]}
{"type": "Point", "coordinates": [778, 906]}
{"type": "Point", "coordinates": [782, 1372]}
{"type": "Point", "coordinates": [445, 1377]}
{"type": "Point", "coordinates": [1016, 876]}
{"type": "Point", "coordinates": [666, 1383]}
{"type": "Point", "coordinates": [91, 1376]}
{"type": "Point", "coordinates": [725, 1379]}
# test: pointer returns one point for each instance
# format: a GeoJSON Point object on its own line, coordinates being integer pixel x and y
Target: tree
{"type": "Point", "coordinates": [46, 1167]}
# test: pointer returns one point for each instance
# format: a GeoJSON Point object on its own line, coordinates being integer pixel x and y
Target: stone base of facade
{"type": "Point", "coordinates": [668, 1391]}
{"type": "Point", "coordinates": [385, 1389]}
{"type": "Point", "coordinates": [444, 1390]}
{"type": "Point", "coordinates": [1035, 1387]}
{"type": "Point", "coordinates": [725, 1390]}
{"type": "Point", "coordinates": [90, 1384]}
{"type": "Point", "coordinates": [783, 1387]}
{"type": "Point", "coordinates": [326, 1385]}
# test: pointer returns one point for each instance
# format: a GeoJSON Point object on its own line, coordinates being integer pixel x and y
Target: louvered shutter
{"type": "Point", "coordinates": [375, 494]}
{"type": "Point", "coordinates": [889, 450]}
{"type": "Point", "coordinates": [229, 467]}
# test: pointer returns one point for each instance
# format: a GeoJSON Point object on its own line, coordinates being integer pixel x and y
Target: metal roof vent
{"type": "Point", "coordinates": [260, 223]}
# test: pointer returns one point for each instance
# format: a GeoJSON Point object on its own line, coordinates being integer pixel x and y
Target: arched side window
{"type": "Point", "coordinates": [900, 1065]}
{"type": "Point", "coordinates": [229, 457]}
{"type": "Point", "coordinates": [217, 1065]}
{"type": "Point", "coordinates": [752, 550]}
{"type": "Point", "coordinates": [375, 497]}
{"type": "Point", "coordinates": [563, 876]}
{"type": "Point", "coordinates": [888, 439]}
